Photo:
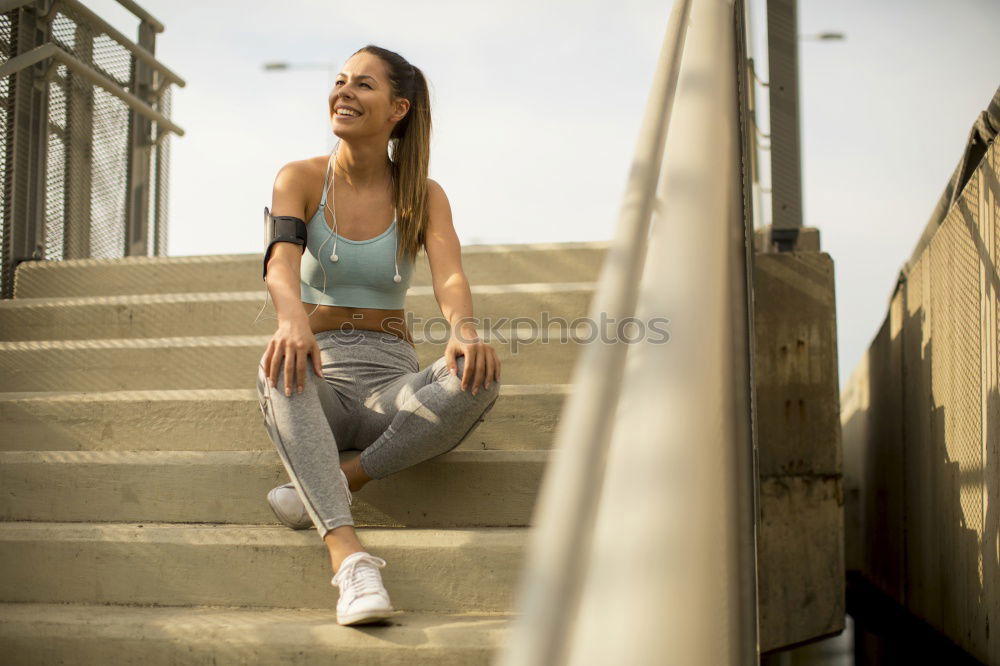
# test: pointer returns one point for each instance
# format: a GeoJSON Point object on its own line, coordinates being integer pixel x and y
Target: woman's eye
{"type": "Point", "coordinates": [365, 84]}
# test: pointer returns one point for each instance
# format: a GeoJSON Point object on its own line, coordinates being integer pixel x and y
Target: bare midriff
{"type": "Point", "coordinates": [329, 317]}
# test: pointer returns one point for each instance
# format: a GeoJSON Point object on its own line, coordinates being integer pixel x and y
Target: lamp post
{"type": "Point", "coordinates": [785, 144]}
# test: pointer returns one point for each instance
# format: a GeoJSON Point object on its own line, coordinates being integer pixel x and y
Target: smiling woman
{"type": "Point", "coordinates": [345, 230]}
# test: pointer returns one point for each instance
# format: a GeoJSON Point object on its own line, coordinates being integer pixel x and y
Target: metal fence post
{"type": "Point", "coordinates": [79, 155]}
{"type": "Point", "coordinates": [24, 211]}
{"type": "Point", "coordinates": [139, 148]}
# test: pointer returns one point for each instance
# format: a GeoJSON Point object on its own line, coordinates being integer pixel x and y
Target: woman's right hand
{"type": "Point", "coordinates": [294, 341]}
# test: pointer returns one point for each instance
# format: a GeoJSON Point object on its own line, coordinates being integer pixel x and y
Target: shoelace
{"type": "Point", "coordinates": [360, 575]}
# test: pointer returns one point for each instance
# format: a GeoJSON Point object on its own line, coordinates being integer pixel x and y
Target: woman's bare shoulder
{"type": "Point", "coordinates": [435, 193]}
{"type": "Point", "coordinates": [294, 185]}
{"type": "Point", "coordinates": [304, 168]}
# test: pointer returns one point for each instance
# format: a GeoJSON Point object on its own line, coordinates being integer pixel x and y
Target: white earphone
{"type": "Point", "coordinates": [333, 214]}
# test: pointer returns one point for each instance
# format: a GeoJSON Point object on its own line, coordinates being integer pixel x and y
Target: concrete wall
{"type": "Point", "coordinates": [921, 427]}
{"type": "Point", "coordinates": [800, 549]}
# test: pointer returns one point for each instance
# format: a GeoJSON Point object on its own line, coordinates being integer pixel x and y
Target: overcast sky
{"type": "Point", "coordinates": [536, 109]}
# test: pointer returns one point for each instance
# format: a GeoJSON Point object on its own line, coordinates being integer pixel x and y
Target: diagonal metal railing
{"type": "Point", "coordinates": [643, 545]}
{"type": "Point", "coordinates": [84, 129]}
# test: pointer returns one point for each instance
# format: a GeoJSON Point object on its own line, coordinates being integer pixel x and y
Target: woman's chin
{"type": "Point", "coordinates": [342, 133]}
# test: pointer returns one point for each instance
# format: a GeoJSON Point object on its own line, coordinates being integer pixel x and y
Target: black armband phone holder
{"type": "Point", "coordinates": [282, 228]}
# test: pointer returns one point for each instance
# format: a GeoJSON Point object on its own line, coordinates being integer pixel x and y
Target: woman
{"type": "Point", "coordinates": [341, 371]}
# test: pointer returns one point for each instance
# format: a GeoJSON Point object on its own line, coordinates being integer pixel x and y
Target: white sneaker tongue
{"type": "Point", "coordinates": [363, 575]}
{"type": "Point", "coordinates": [368, 582]}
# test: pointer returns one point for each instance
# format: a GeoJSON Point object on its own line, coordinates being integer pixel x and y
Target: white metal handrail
{"type": "Point", "coordinates": [642, 545]}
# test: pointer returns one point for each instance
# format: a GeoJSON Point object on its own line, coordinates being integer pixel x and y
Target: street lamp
{"type": "Point", "coordinates": [271, 66]}
{"type": "Point", "coordinates": [824, 37]}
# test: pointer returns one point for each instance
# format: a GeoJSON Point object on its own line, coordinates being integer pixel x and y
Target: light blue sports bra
{"type": "Point", "coordinates": [362, 274]}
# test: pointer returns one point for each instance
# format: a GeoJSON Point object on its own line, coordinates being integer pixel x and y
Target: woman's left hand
{"type": "Point", "coordinates": [482, 365]}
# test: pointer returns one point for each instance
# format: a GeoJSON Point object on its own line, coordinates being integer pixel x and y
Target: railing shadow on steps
{"type": "Point", "coordinates": [643, 545]}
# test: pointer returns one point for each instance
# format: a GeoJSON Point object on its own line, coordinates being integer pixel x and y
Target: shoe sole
{"type": "Point", "coordinates": [366, 617]}
{"type": "Point", "coordinates": [281, 519]}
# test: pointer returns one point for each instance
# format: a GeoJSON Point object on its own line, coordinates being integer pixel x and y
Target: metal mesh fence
{"type": "Point", "coordinates": [948, 435]}
{"type": "Point", "coordinates": [55, 183]}
{"type": "Point", "coordinates": [105, 165]}
{"type": "Point", "coordinates": [96, 123]}
{"type": "Point", "coordinates": [7, 26]}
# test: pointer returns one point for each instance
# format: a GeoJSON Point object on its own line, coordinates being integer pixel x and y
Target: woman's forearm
{"type": "Point", "coordinates": [455, 299]}
{"type": "Point", "coordinates": [283, 284]}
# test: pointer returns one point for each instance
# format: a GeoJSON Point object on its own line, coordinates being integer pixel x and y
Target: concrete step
{"type": "Point", "coordinates": [483, 264]}
{"type": "Point", "coordinates": [524, 418]}
{"type": "Point", "coordinates": [457, 570]}
{"type": "Point", "coordinates": [235, 313]}
{"type": "Point", "coordinates": [156, 636]}
{"type": "Point", "coordinates": [229, 362]}
{"type": "Point", "coordinates": [455, 489]}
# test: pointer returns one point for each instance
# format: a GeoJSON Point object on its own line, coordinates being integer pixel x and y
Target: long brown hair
{"type": "Point", "coordinates": [410, 144]}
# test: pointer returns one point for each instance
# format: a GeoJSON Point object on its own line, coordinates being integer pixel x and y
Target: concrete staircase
{"type": "Point", "coordinates": [135, 465]}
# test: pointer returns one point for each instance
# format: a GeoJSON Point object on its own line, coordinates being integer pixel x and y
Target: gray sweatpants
{"type": "Point", "coordinates": [373, 397]}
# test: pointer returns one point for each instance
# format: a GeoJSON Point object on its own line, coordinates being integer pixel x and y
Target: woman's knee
{"type": "Point", "coordinates": [443, 371]}
{"type": "Point", "coordinates": [484, 397]}
{"type": "Point", "coordinates": [484, 394]}
{"type": "Point", "coordinates": [487, 395]}
{"type": "Point", "coordinates": [265, 387]}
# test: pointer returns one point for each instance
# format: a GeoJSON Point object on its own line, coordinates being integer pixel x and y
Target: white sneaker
{"type": "Point", "coordinates": [288, 506]}
{"type": "Point", "coordinates": [362, 595]}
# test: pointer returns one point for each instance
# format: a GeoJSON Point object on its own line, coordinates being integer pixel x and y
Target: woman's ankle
{"type": "Point", "coordinates": [355, 473]}
{"type": "Point", "coordinates": [341, 542]}
{"type": "Point", "coordinates": [336, 561]}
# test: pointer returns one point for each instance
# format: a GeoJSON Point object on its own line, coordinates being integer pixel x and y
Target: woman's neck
{"type": "Point", "coordinates": [363, 166]}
